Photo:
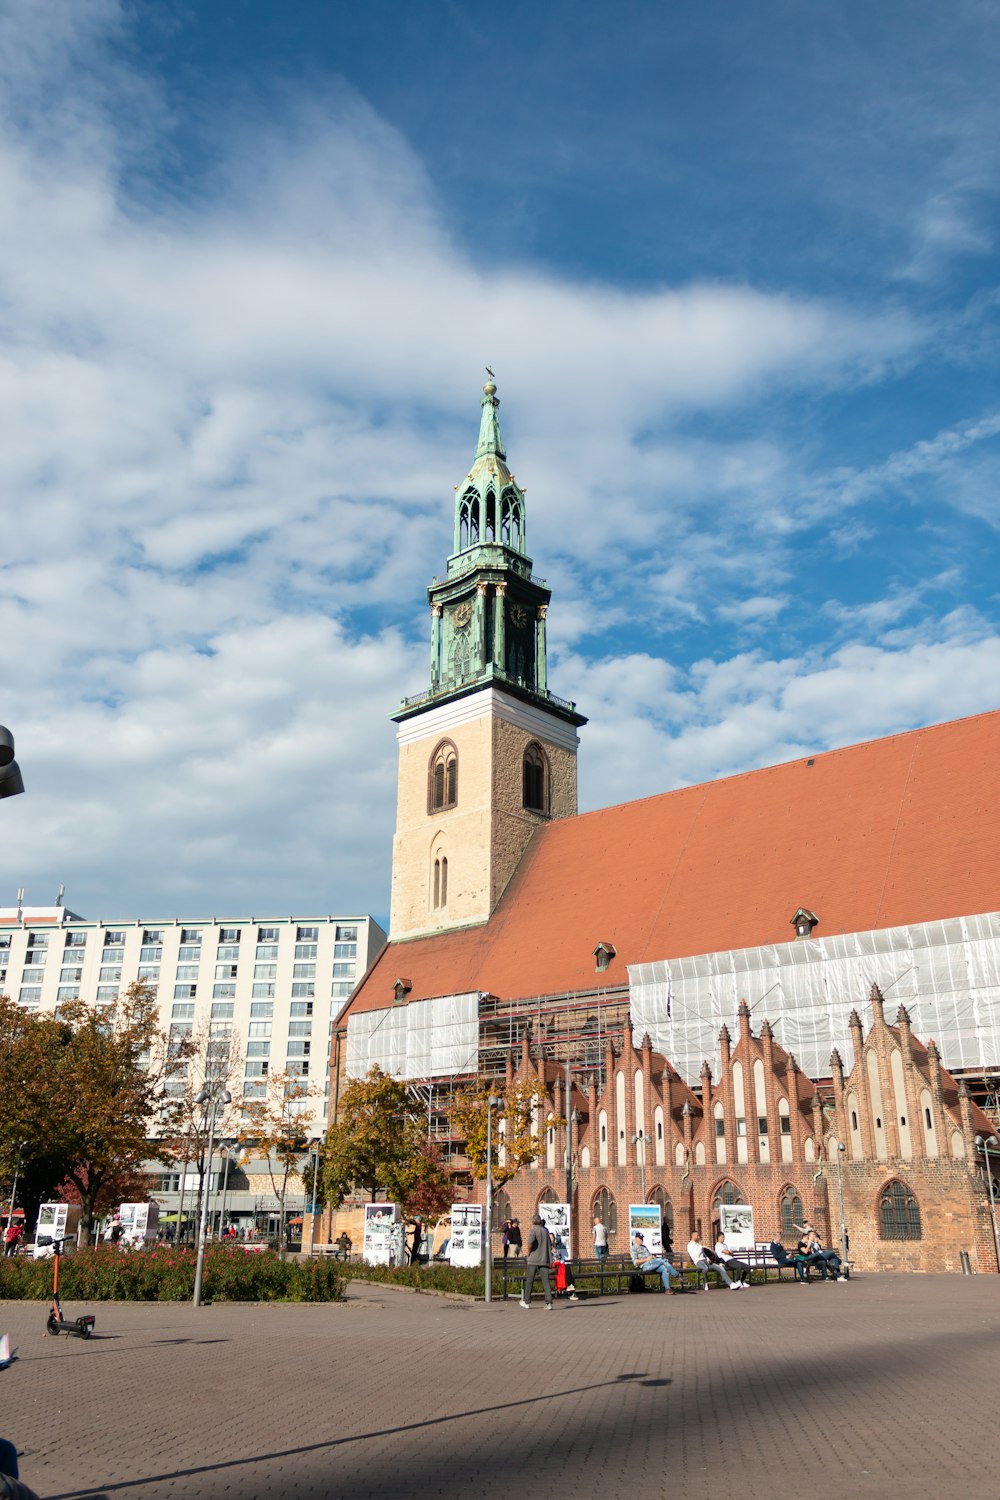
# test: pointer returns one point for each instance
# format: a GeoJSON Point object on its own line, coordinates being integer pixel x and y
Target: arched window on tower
{"type": "Point", "coordinates": [442, 790]}
{"type": "Point", "coordinates": [490, 528]}
{"type": "Point", "coordinates": [510, 521]}
{"type": "Point", "coordinates": [439, 890]}
{"type": "Point", "coordinates": [536, 780]}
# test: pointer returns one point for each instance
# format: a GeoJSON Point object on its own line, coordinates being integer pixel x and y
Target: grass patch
{"type": "Point", "coordinates": [166, 1274]}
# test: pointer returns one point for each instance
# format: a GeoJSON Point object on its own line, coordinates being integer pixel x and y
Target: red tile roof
{"type": "Point", "coordinates": [882, 834]}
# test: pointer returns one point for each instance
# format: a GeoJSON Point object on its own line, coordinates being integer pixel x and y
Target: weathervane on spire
{"type": "Point", "coordinates": [490, 373]}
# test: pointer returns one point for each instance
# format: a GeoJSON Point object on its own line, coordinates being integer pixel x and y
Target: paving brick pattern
{"type": "Point", "coordinates": [868, 1388]}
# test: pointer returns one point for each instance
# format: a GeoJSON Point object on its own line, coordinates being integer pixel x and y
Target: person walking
{"type": "Point", "coordinates": [600, 1238]}
{"type": "Point", "coordinates": [540, 1260]}
{"type": "Point", "coordinates": [12, 1236]}
{"type": "Point", "coordinates": [514, 1235]}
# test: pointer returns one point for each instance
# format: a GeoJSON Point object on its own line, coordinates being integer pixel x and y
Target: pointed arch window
{"type": "Point", "coordinates": [468, 520]}
{"type": "Point", "coordinates": [606, 1209]}
{"type": "Point", "coordinates": [791, 1213]}
{"type": "Point", "coordinates": [898, 1213]}
{"type": "Point", "coordinates": [442, 790]}
{"type": "Point", "coordinates": [440, 888]}
{"type": "Point", "coordinates": [510, 521]}
{"type": "Point", "coordinates": [728, 1193]}
{"type": "Point", "coordinates": [490, 528]}
{"type": "Point", "coordinates": [536, 779]}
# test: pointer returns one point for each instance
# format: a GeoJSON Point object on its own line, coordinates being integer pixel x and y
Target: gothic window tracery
{"type": "Point", "coordinates": [535, 779]}
{"type": "Point", "coordinates": [443, 780]}
{"type": "Point", "coordinates": [606, 1209]}
{"type": "Point", "coordinates": [791, 1213]}
{"type": "Point", "coordinates": [898, 1213]}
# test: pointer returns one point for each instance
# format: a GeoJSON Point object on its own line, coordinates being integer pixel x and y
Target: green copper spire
{"type": "Point", "coordinates": [489, 504]}
{"type": "Point", "coordinates": [488, 614]}
{"type": "Point", "coordinates": [490, 440]}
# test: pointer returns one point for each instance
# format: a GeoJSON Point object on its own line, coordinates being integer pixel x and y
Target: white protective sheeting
{"type": "Point", "coordinates": [946, 973]}
{"type": "Point", "coordinates": [425, 1039]}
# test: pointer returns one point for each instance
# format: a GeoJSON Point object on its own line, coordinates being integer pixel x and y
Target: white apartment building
{"type": "Point", "coordinates": [272, 986]}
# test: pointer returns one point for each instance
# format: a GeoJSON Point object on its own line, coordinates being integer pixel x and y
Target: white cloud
{"type": "Point", "coordinates": [230, 426]}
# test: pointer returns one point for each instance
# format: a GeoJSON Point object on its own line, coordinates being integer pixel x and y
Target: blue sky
{"type": "Point", "coordinates": [735, 266]}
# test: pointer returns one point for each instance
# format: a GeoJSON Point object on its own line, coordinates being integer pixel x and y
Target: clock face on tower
{"type": "Point", "coordinates": [519, 616]}
{"type": "Point", "coordinates": [463, 615]}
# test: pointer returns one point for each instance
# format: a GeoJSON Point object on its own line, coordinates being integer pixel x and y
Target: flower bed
{"type": "Point", "coordinates": [166, 1274]}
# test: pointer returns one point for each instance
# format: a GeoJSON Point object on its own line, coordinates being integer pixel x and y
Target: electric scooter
{"type": "Point", "coordinates": [57, 1320]}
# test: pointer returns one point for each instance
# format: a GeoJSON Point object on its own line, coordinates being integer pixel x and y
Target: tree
{"type": "Point", "coordinates": [200, 1058]}
{"type": "Point", "coordinates": [278, 1128]}
{"type": "Point", "coordinates": [81, 1086]}
{"type": "Point", "coordinates": [377, 1145]}
{"type": "Point", "coordinates": [521, 1146]}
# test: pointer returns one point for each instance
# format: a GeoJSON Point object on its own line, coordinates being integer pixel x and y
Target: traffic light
{"type": "Point", "coordinates": [10, 774]}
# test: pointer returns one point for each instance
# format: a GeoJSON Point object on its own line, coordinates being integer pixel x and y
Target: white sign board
{"type": "Point", "coordinates": [736, 1223]}
{"type": "Point", "coordinates": [140, 1222]}
{"type": "Point", "coordinates": [558, 1221]}
{"type": "Point", "coordinates": [466, 1248]}
{"type": "Point", "coordinates": [381, 1239]}
{"type": "Point", "coordinates": [646, 1219]}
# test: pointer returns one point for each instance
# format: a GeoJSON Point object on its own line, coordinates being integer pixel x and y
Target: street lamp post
{"type": "Point", "coordinates": [492, 1102]}
{"type": "Point", "coordinates": [13, 1191]}
{"type": "Point", "coordinates": [984, 1144]}
{"type": "Point", "coordinates": [640, 1141]}
{"type": "Point", "coordinates": [213, 1097]}
{"type": "Point", "coordinates": [315, 1143]}
{"type": "Point", "coordinates": [844, 1242]}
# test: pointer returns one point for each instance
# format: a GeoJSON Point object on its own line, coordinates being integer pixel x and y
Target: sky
{"type": "Point", "coordinates": [735, 267]}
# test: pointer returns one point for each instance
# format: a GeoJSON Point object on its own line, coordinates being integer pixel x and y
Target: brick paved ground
{"type": "Point", "coordinates": [871, 1388]}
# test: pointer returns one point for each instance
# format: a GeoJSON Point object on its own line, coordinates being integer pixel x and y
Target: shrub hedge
{"type": "Point", "coordinates": [437, 1278]}
{"type": "Point", "coordinates": [166, 1274]}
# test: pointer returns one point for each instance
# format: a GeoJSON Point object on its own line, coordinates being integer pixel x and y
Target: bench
{"type": "Point", "coordinates": [610, 1274]}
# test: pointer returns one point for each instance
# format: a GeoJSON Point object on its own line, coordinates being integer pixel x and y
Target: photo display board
{"type": "Point", "coordinates": [383, 1235]}
{"type": "Point", "coordinates": [646, 1219]}
{"type": "Point", "coordinates": [558, 1220]}
{"type": "Point", "coordinates": [736, 1223]}
{"type": "Point", "coordinates": [466, 1248]}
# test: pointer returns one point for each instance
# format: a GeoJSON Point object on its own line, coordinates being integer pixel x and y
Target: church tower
{"type": "Point", "coordinates": [487, 753]}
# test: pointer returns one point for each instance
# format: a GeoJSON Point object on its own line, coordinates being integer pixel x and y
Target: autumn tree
{"type": "Point", "coordinates": [278, 1129]}
{"type": "Point", "coordinates": [515, 1144]}
{"type": "Point", "coordinates": [81, 1086]}
{"type": "Point", "coordinates": [377, 1145]}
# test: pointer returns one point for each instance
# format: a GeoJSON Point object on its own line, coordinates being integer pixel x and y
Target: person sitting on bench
{"type": "Point", "coordinates": [725, 1257]}
{"type": "Point", "coordinates": [644, 1260]}
{"type": "Point", "coordinates": [702, 1261]}
{"type": "Point", "coordinates": [827, 1260]}
{"type": "Point", "coordinates": [782, 1258]}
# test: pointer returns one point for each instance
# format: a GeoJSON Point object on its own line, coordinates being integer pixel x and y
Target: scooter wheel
{"type": "Point", "coordinates": [85, 1330]}
{"type": "Point", "coordinates": [52, 1325]}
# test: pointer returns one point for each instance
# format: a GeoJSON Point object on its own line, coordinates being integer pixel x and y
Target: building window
{"type": "Point", "coordinates": [791, 1213]}
{"type": "Point", "coordinates": [301, 1008]}
{"type": "Point", "coordinates": [68, 992]}
{"type": "Point", "coordinates": [303, 971]}
{"type": "Point", "coordinates": [307, 934]}
{"type": "Point", "coordinates": [114, 939]}
{"type": "Point", "coordinates": [265, 971]}
{"type": "Point", "coordinates": [727, 1193]}
{"type": "Point", "coordinates": [346, 935]}
{"type": "Point", "coordinates": [38, 940]}
{"type": "Point", "coordinates": [898, 1214]}
{"type": "Point", "coordinates": [181, 991]}
{"type": "Point", "coordinates": [267, 934]}
{"type": "Point", "coordinates": [258, 1049]}
{"type": "Point", "coordinates": [300, 1028]}
{"type": "Point", "coordinates": [535, 780]}
{"type": "Point", "coordinates": [188, 953]}
{"type": "Point", "coordinates": [263, 991]}
{"type": "Point", "coordinates": [305, 950]}
{"type": "Point", "coordinates": [76, 939]}
{"type": "Point", "coordinates": [153, 935]}
{"type": "Point", "coordinates": [229, 934]}
{"type": "Point", "coordinates": [440, 886]}
{"type": "Point", "coordinates": [443, 779]}
{"type": "Point", "coordinates": [345, 950]}
{"type": "Point", "coordinates": [261, 1011]}
{"type": "Point", "coordinates": [762, 1124]}
{"type": "Point", "coordinates": [606, 1209]}
{"type": "Point", "coordinates": [190, 935]}
{"type": "Point", "coordinates": [786, 1124]}
{"type": "Point", "coordinates": [303, 988]}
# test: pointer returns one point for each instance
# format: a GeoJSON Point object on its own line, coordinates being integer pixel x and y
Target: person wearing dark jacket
{"type": "Point", "coordinates": [514, 1235]}
{"type": "Point", "coordinates": [540, 1260]}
